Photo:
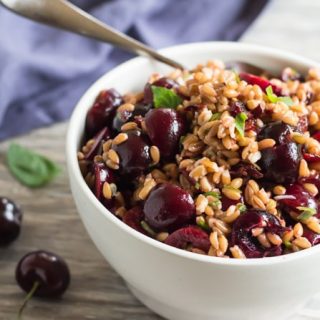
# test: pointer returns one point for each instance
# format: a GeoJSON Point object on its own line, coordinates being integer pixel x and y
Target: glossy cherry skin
{"type": "Point", "coordinates": [241, 234]}
{"type": "Point", "coordinates": [121, 118]}
{"type": "Point", "coordinates": [165, 128]}
{"type": "Point", "coordinates": [226, 202]}
{"type": "Point", "coordinates": [278, 131]}
{"type": "Point", "coordinates": [102, 174]}
{"type": "Point", "coordinates": [162, 82]}
{"type": "Point", "coordinates": [133, 218]}
{"type": "Point", "coordinates": [10, 221]}
{"type": "Point", "coordinates": [280, 164]}
{"type": "Point", "coordinates": [261, 82]}
{"type": "Point", "coordinates": [46, 268]}
{"type": "Point", "coordinates": [134, 154]}
{"type": "Point", "coordinates": [102, 136]}
{"type": "Point", "coordinates": [302, 198]}
{"type": "Point", "coordinates": [186, 236]}
{"type": "Point", "coordinates": [168, 207]}
{"type": "Point", "coordinates": [102, 112]}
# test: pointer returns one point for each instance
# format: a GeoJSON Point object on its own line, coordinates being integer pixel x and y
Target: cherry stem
{"type": "Point", "coordinates": [27, 298]}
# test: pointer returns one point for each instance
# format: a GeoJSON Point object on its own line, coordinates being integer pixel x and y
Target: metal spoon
{"type": "Point", "coordinates": [64, 15]}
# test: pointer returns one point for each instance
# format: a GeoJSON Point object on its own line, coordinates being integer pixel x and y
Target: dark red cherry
{"type": "Point", "coordinates": [99, 138]}
{"type": "Point", "coordinates": [134, 154]}
{"type": "Point", "coordinates": [300, 198]}
{"type": "Point", "coordinates": [261, 82]}
{"type": "Point", "coordinates": [246, 171]}
{"type": "Point", "coordinates": [121, 118]}
{"type": "Point", "coordinates": [192, 235]}
{"type": "Point", "coordinates": [227, 202]}
{"type": "Point", "coordinates": [313, 237]}
{"type": "Point", "coordinates": [168, 207]}
{"type": "Point", "coordinates": [46, 270]}
{"type": "Point", "coordinates": [309, 157]}
{"type": "Point", "coordinates": [162, 82]}
{"type": "Point", "coordinates": [133, 218]}
{"type": "Point", "coordinates": [280, 164]}
{"type": "Point", "coordinates": [241, 234]}
{"type": "Point", "coordinates": [278, 131]}
{"type": "Point", "coordinates": [102, 112]}
{"type": "Point", "coordinates": [10, 221]}
{"type": "Point", "coordinates": [316, 136]}
{"type": "Point", "coordinates": [237, 107]}
{"type": "Point", "coordinates": [102, 174]}
{"type": "Point", "coordinates": [165, 128]}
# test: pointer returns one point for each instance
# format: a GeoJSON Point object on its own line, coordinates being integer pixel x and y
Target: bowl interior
{"type": "Point", "coordinates": [131, 76]}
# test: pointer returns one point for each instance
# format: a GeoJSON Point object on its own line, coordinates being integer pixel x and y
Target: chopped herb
{"type": "Point", "coordinates": [274, 98]}
{"type": "Point", "coordinates": [31, 169]}
{"type": "Point", "coordinates": [165, 98]}
{"type": "Point", "coordinates": [147, 228]}
{"type": "Point", "coordinates": [236, 75]}
{"type": "Point", "coordinates": [182, 139]}
{"type": "Point", "coordinates": [197, 185]}
{"type": "Point", "coordinates": [287, 244]}
{"type": "Point", "coordinates": [213, 194]}
{"type": "Point", "coordinates": [215, 116]}
{"type": "Point", "coordinates": [202, 223]}
{"type": "Point", "coordinates": [241, 122]}
{"type": "Point", "coordinates": [241, 207]}
{"type": "Point", "coordinates": [306, 213]}
{"type": "Point", "coordinates": [215, 203]}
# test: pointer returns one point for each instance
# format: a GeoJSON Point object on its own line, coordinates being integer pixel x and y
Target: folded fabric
{"type": "Point", "coordinates": [43, 71]}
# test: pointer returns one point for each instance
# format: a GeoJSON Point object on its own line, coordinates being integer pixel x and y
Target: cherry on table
{"type": "Point", "coordinates": [10, 221]}
{"type": "Point", "coordinates": [168, 207]}
{"type": "Point", "coordinates": [44, 270]}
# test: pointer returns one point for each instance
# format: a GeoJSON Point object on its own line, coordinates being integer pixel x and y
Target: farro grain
{"type": "Point", "coordinates": [262, 238]}
{"type": "Point", "coordinates": [257, 231]}
{"type": "Point", "coordinates": [113, 156]}
{"type": "Point", "coordinates": [311, 188]}
{"type": "Point", "coordinates": [266, 143]}
{"type": "Point", "coordinates": [302, 243]}
{"type": "Point", "coordinates": [298, 230]}
{"type": "Point", "coordinates": [120, 138]}
{"type": "Point", "coordinates": [129, 126]}
{"type": "Point", "coordinates": [279, 190]}
{"type": "Point", "coordinates": [233, 194]}
{"type": "Point", "coordinates": [314, 226]}
{"type": "Point", "coordinates": [303, 169]}
{"type": "Point", "coordinates": [237, 252]}
{"type": "Point", "coordinates": [274, 238]}
{"type": "Point", "coordinates": [162, 236]}
{"type": "Point", "coordinates": [214, 240]}
{"type": "Point", "coordinates": [155, 154]}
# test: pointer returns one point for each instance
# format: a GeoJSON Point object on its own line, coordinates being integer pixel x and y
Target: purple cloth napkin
{"type": "Point", "coordinates": [43, 71]}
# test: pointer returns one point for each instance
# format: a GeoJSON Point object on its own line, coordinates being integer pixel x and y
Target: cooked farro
{"type": "Point", "coordinates": [211, 161]}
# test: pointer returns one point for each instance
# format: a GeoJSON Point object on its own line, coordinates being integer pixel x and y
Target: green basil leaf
{"type": "Point", "coordinates": [240, 122]}
{"type": "Point", "coordinates": [202, 223]}
{"type": "Point", "coordinates": [274, 98]}
{"type": "Point", "coordinates": [30, 168]}
{"type": "Point", "coordinates": [165, 98]}
{"type": "Point", "coordinates": [213, 194]}
{"type": "Point", "coordinates": [306, 213]}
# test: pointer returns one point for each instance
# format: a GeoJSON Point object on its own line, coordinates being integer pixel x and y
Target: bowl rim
{"type": "Point", "coordinates": [74, 170]}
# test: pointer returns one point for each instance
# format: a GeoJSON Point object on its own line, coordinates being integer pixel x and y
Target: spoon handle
{"type": "Point", "coordinates": [65, 15]}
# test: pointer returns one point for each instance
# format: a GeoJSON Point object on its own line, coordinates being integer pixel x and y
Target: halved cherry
{"type": "Point", "coordinates": [99, 138]}
{"type": "Point", "coordinates": [133, 218]}
{"type": "Point", "coordinates": [186, 236]}
{"type": "Point", "coordinates": [261, 82]}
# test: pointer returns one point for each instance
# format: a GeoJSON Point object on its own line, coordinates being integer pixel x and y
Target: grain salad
{"type": "Point", "coordinates": [210, 160]}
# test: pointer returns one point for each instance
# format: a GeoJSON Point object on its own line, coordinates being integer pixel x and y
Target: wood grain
{"type": "Point", "coordinates": [51, 221]}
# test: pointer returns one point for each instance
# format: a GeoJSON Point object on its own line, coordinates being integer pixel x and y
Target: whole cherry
{"type": "Point", "coordinates": [10, 221]}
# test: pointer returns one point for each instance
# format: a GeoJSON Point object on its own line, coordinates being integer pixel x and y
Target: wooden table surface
{"type": "Point", "coordinates": [52, 223]}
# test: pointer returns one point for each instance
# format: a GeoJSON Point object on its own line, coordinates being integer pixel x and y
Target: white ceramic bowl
{"type": "Point", "coordinates": [174, 283]}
